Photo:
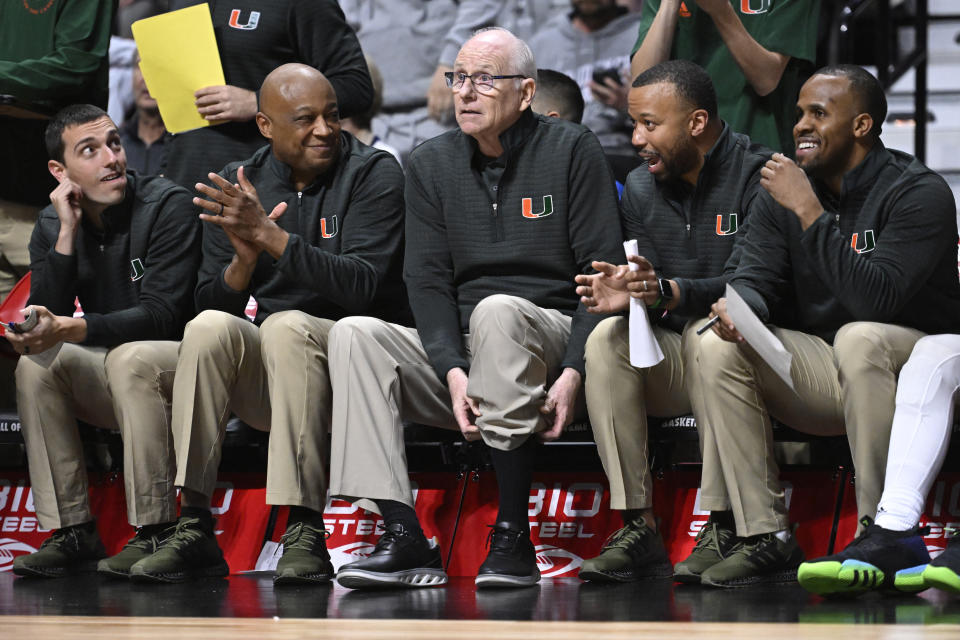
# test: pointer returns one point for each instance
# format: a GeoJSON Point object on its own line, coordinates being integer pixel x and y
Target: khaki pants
{"type": "Point", "coordinates": [850, 387]}
{"type": "Point", "coordinates": [16, 225]}
{"type": "Point", "coordinates": [620, 396]}
{"type": "Point", "coordinates": [126, 388]}
{"type": "Point", "coordinates": [275, 379]}
{"type": "Point", "coordinates": [382, 376]}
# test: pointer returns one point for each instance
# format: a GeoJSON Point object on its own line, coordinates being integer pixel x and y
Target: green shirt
{"type": "Point", "coordinates": [784, 26]}
{"type": "Point", "coordinates": [55, 52]}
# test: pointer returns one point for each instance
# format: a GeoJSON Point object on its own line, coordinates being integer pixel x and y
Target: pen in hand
{"type": "Point", "coordinates": [714, 320]}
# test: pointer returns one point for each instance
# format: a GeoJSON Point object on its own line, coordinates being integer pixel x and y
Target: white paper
{"type": "Point", "coordinates": [644, 349]}
{"type": "Point", "coordinates": [761, 339]}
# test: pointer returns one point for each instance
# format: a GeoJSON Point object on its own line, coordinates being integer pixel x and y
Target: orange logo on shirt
{"type": "Point", "coordinates": [752, 7]}
{"type": "Point", "coordinates": [37, 10]}
{"type": "Point", "coordinates": [684, 12]}
{"type": "Point", "coordinates": [251, 23]}
{"type": "Point", "coordinates": [526, 207]}
{"type": "Point", "coordinates": [333, 226]}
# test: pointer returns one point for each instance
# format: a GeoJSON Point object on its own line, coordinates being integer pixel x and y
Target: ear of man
{"type": "Point", "coordinates": [528, 88]}
{"type": "Point", "coordinates": [57, 169]}
{"type": "Point", "coordinates": [698, 122]}
{"type": "Point", "coordinates": [862, 125]}
{"type": "Point", "coordinates": [264, 124]}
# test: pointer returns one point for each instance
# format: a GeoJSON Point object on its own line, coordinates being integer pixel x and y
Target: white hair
{"type": "Point", "coordinates": [521, 59]}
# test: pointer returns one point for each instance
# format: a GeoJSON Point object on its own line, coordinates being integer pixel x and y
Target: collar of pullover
{"type": "Point", "coordinates": [865, 174]}
{"type": "Point", "coordinates": [283, 172]}
{"type": "Point", "coordinates": [511, 139]}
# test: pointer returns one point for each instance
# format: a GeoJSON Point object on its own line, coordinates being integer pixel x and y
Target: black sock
{"type": "Point", "coordinates": [306, 516]}
{"type": "Point", "coordinates": [724, 519]}
{"type": "Point", "coordinates": [631, 515]}
{"type": "Point", "coordinates": [154, 529]}
{"type": "Point", "coordinates": [206, 518]}
{"type": "Point", "coordinates": [514, 471]}
{"type": "Point", "coordinates": [394, 512]}
{"type": "Point", "coordinates": [88, 526]}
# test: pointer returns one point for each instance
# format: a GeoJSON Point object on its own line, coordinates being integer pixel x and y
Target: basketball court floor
{"type": "Point", "coordinates": [248, 606]}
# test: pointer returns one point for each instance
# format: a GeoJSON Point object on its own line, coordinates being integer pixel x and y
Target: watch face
{"type": "Point", "coordinates": [666, 291]}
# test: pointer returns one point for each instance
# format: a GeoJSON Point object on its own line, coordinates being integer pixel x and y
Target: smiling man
{"type": "Point", "coordinates": [687, 208]}
{"type": "Point", "coordinates": [503, 212]}
{"type": "Point", "coordinates": [330, 247]}
{"type": "Point", "coordinates": [127, 247]}
{"type": "Point", "coordinates": [851, 253]}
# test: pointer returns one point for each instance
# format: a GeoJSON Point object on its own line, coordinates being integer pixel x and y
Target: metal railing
{"type": "Point", "coordinates": [890, 61]}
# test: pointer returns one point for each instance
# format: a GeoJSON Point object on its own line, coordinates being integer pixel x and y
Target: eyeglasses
{"type": "Point", "coordinates": [482, 82]}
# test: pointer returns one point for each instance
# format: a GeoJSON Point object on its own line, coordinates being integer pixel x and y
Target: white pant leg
{"type": "Point", "coordinates": [921, 429]}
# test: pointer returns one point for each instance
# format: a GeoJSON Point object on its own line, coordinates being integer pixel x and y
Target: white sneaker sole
{"type": "Point", "coordinates": [503, 580]}
{"type": "Point", "coordinates": [412, 578]}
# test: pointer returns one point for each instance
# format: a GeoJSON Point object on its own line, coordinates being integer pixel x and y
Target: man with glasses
{"type": "Point", "coordinates": [501, 213]}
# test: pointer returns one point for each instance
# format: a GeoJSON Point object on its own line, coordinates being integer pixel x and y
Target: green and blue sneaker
{"type": "Point", "coordinates": [943, 572]}
{"type": "Point", "coordinates": [869, 563]}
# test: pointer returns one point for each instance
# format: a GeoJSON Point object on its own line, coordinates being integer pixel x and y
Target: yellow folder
{"type": "Point", "coordinates": [178, 55]}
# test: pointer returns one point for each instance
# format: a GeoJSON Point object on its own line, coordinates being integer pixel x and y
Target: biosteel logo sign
{"type": "Point", "coordinates": [20, 532]}
{"type": "Point", "coordinates": [700, 516]}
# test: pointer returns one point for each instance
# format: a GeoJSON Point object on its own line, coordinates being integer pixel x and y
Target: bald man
{"type": "Point", "coordinates": [311, 226]}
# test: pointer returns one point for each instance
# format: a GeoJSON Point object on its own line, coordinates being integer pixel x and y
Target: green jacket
{"type": "Point", "coordinates": [54, 52]}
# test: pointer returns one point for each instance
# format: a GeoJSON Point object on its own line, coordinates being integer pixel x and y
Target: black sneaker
{"type": "Point", "coordinates": [146, 541]}
{"type": "Point", "coordinates": [511, 561]}
{"type": "Point", "coordinates": [400, 559]}
{"type": "Point", "coordinates": [943, 572]}
{"type": "Point", "coordinates": [305, 558]}
{"type": "Point", "coordinates": [67, 551]}
{"type": "Point", "coordinates": [714, 543]}
{"type": "Point", "coordinates": [760, 558]}
{"type": "Point", "coordinates": [191, 552]}
{"type": "Point", "coordinates": [634, 552]}
{"type": "Point", "coordinates": [869, 562]}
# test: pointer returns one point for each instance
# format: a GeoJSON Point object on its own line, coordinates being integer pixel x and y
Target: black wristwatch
{"type": "Point", "coordinates": [666, 291]}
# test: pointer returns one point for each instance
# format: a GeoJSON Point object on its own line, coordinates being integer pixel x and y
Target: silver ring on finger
{"type": "Point", "coordinates": [221, 209]}
{"type": "Point", "coordinates": [644, 286]}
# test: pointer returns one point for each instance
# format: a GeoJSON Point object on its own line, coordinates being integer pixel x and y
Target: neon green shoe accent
{"type": "Point", "coordinates": [941, 578]}
{"type": "Point", "coordinates": [910, 580]}
{"type": "Point", "coordinates": [832, 577]}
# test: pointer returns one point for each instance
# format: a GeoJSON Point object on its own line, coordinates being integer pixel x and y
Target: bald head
{"type": "Point", "coordinates": [290, 82]}
{"type": "Point", "coordinates": [299, 115]}
{"type": "Point", "coordinates": [514, 53]}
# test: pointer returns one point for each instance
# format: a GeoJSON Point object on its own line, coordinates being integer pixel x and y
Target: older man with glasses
{"type": "Point", "coordinates": [502, 213]}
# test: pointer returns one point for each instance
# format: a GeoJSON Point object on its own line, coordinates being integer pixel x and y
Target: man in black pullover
{"type": "Point", "coordinates": [330, 247]}
{"type": "Point", "coordinates": [127, 247]}
{"type": "Point", "coordinates": [252, 42]}
{"type": "Point", "coordinates": [504, 211]}
{"type": "Point", "coordinates": [687, 208]}
{"type": "Point", "coordinates": [851, 253]}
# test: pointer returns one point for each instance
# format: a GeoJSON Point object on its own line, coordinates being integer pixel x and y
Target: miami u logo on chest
{"type": "Point", "coordinates": [252, 20]}
{"type": "Point", "coordinates": [868, 243]}
{"type": "Point", "coordinates": [727, 225]}
{"type": "Point", "coordinates": [526, 207]}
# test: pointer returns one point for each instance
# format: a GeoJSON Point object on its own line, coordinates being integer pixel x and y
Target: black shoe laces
{"type": "Point", "coordinates": [501, 539]}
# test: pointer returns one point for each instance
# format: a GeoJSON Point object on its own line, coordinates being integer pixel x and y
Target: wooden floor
{"type": "Point", "coordinates": [59, 627]}
{"type": "Point", "coordinates": [249, 606]}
